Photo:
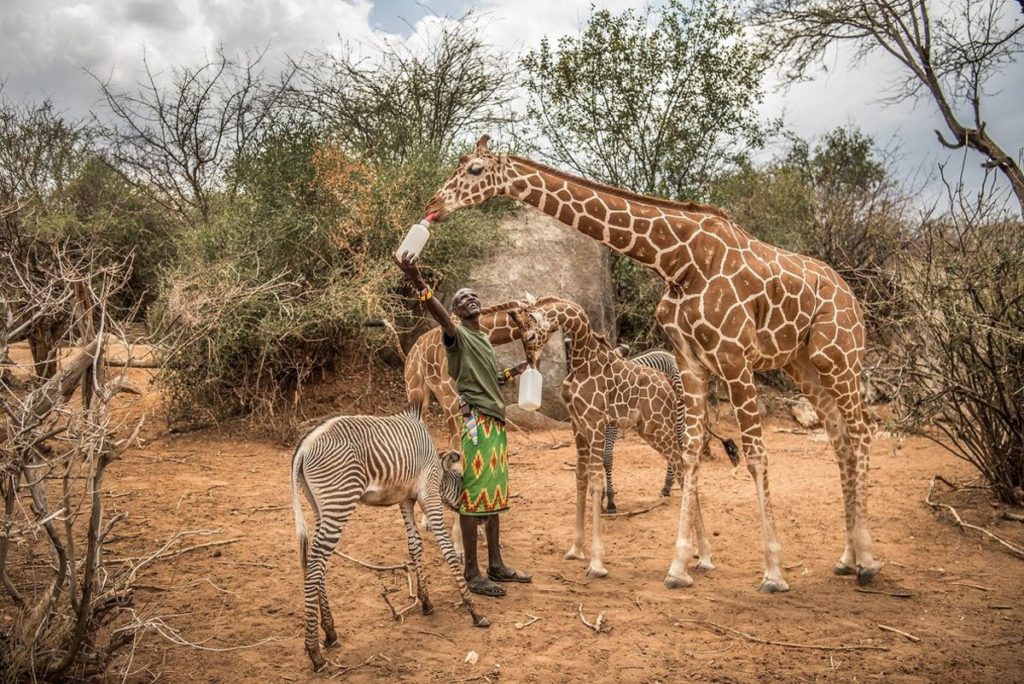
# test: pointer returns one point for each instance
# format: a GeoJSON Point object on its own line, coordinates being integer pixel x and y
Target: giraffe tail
{"type": "Point", "coordinates": [731, 450]}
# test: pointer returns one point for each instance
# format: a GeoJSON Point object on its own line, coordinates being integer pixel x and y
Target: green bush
{"type": "Point", "coordinates": [270, 293]}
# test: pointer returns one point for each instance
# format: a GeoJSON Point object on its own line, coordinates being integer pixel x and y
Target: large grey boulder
{"type": "Point", "coordinates": [544, 257]}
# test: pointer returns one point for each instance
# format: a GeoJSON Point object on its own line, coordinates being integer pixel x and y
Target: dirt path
{"type": "Point", "coordinates": [248, 591]}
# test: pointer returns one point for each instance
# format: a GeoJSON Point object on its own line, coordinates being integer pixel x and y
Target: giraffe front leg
{"type": "Point", "coordinates": [596, 567]}
{"type": "Point", "coordinates": [704, 563]}
{"type": "Point", "coordinates": [743, 394]}
{"type": "Point", "coordinates": [575, 551]}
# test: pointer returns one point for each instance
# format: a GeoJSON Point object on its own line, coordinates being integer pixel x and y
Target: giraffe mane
{"type": "Point", "coordinates": [623, 193]}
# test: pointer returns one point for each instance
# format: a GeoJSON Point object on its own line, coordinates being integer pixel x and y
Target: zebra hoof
{"type": "Point", "coordinates": [481, 622]}
{"type": "Point", "coordinates": [331, 641]}
{"type": "Point", "coordinates": [672, 582]}
{"type": "Point", "coordinates": [426, 606]}
{"type": "Point", "coordinates": [319, 664]}
{"type": "Point", "coordinates": [666, 492]}
{"type": "Point", "coordinates": [843, 570]}
{"type": "Point", "coordinates": [704, 566]}
{"type": "Point", "coordinates": [773, 586]}
{"type": "Point", "coordinates": [865, 575]}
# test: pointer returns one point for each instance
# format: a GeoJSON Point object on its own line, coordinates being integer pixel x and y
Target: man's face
{"type": "Point", "coordinates": [466, 303]}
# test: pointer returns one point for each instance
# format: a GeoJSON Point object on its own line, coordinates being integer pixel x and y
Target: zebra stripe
{"type": "Point", "coordinates": [379, 461]}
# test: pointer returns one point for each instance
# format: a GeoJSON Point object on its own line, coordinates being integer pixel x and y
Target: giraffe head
{"type": "Point", "coordinates": [535, 328]}
{"type": "Point", "coordinates": [478, 177]}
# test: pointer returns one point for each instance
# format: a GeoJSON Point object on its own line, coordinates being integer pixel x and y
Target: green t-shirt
{"type": "Point", "coordinates": [473, 367]}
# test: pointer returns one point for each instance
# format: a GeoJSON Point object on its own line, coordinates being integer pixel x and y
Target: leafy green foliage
{"type": "Point", "coordinates": [659, 102]}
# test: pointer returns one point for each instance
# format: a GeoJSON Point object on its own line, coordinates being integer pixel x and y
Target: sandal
{"type": "Point", "coordinates": [483, 587]}
{"type": "Point", "coordinates": [511, 576]}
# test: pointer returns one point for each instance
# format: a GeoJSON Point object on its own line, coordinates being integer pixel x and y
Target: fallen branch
{"type": "Point", "coordinates": [894, 594]}
{"type": "Point", "coordinates": [1007, 515]}
{"type": "Point", "coordinates": [346, 670]}
{"type": "Point", "coordinates": [785, 644]}
{"type": "Point", "coordinates": [719, 650]}
{"type": "Point", "coordinates": [908, 635]}
{"type": "Point", "coordinates": [630, 514]}
{"type": "Point", "coordinates": [973, 586]}
{"type": "Point", "coordinates": [435, 634]}
{"type": "Point", "coordinates": [398, 615]}
{"type": "Point", "coordinates": [371, 566]}
{"type": "Point", "coordinates": [524, 625]}
{"type": "Point", "coordinates": [598, 625]}
{"type": "Point", "coordinates": [1014, 550]}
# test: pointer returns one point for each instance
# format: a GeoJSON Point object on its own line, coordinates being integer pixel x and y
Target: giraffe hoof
{"type": "Point", "coordinates": [573, 554]}
{"type": "Point", "coordinates": [704, 566]}
{"type": "Point", "coordinates": [593, 571]}
{"type": "Point", "coordinates": [769, 586]}
{"type": "Point", "coordinates": [843, 570]}
{"type": "Point", "coordinates": [672, 582]}
{"type": "Point", "coordinates": [865, 575]}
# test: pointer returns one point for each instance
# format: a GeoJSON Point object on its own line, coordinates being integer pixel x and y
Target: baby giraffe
{"type": "Point", "coordinates": [603, 389]}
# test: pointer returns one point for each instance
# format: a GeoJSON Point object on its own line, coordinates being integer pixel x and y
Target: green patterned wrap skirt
{"type": "Point", "coordinates": [485, 468]}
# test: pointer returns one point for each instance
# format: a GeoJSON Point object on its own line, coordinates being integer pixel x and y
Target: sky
{"type": "Point", "coordinates": [48, 48]}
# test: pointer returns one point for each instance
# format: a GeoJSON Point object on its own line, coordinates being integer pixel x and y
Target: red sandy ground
{"type": "Point", "coordinates": [249, 591]}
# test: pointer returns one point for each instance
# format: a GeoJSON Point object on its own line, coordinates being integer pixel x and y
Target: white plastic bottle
{"type": "Point", "coordinates": [530, 385]}
{"type": "Point", "coordinates": [414, 240]}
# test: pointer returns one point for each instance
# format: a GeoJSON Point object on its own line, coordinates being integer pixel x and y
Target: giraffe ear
{"type": "Point", "coordinates": [481, 144]}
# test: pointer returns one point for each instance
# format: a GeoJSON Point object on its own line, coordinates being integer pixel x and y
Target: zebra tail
{"type": "Point", "coordinates": [300, 521]}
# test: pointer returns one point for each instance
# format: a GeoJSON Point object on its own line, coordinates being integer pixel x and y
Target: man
{"type": "Point", "coordinates": [472, 365]}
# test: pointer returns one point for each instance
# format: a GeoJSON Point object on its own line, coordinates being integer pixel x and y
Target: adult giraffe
{"type": "Point", "coordinates": [734, 305]}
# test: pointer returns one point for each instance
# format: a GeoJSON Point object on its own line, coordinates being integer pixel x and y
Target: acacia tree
{"type": "Point", "coordinates": [658, 101]}
{"type": "Point", "coordinates": [177, 135]}
{"type": "Point", "coordinates": [948, 52]}
{"type": "Point", "coordinates": [403, 101]}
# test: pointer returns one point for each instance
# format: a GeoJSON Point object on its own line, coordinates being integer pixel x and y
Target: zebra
{"type": "Point", "coordinates": [379, 461]}
{"type": "Point", "coordinates": [666, 363]}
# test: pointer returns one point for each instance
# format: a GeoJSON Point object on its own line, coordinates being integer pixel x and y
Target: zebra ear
{"type": "Point", "coordinates": [450, 459]}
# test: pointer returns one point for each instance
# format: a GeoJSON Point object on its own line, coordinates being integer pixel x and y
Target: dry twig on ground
{"type": "Point", "coordinates": [1012, 548]}
{"type": "Point", "coordinates": [784, 644]}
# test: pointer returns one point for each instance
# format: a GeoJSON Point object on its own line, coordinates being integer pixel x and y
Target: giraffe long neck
{"type": "Point", "coordinates": [575, 326]}
{"type": "Point", "coordinates": [648, 230]}
{"type": "Point", "coordinates": [499, 327]}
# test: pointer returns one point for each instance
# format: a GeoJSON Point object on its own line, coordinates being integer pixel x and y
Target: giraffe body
{"type": "Point", "coordinates": [604, 391]}
{"type": "Point", "coordinates": [734, 305]}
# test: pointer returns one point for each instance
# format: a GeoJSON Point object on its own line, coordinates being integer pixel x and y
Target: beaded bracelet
{"type": "Point", "coordinates": [425, 294]}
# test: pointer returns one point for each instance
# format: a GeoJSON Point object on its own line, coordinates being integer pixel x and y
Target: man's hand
{"type": "Point", "coordinates": [519, 368]}
{"type": "Point", "coordinates": [411, 270]}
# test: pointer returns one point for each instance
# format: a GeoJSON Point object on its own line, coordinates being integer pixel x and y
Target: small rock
{"type": "Point", "coordinates": [472, 657]}
{"type": "Point", "coordinates": [804, 415]}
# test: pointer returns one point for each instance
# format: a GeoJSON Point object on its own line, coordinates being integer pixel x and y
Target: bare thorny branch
{"type": "Point", "coordinates": [948, 57]}
{"type": "Point", "coordinates": [51, 446]}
